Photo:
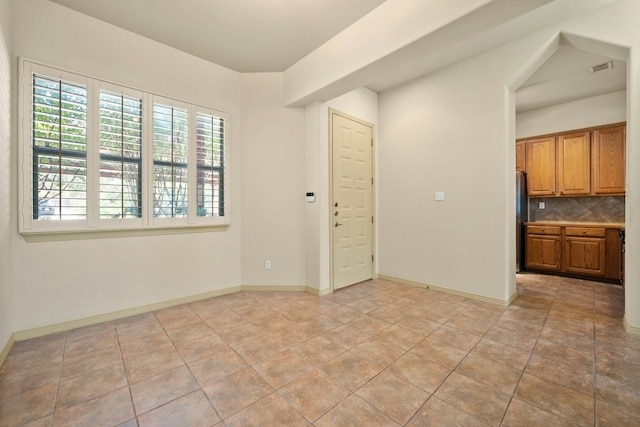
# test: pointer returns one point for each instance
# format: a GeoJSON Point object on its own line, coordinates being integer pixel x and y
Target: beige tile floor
{"type": "Point", "coordinates": [374, 354]}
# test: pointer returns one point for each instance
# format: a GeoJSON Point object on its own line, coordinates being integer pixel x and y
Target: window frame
{"type": "Point", "coordinates": [93, 225]}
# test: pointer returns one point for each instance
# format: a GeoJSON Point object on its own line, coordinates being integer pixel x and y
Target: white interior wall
{"type": "Point", "coordinates": [61, 281]}
{"type": "Point", "coordinates": [312, 182]}
{"type": "Point", "coordinates": [594, 111]}
{"type": "Point", "coordinates": [447, 132]}
{"type": "Point", "coordinates": [362, 104]}
{"type": "Point", "coordinates": [273, 217]}
{"type": "Point", "coordinates": [6, 178]}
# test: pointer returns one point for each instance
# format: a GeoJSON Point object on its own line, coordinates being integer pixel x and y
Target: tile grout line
{"type": "Point", "coordinates": [64, 351]}
{"type": "Point", "coordinates": [468, 353]}
{"type": "Point", "coordinates": [389, 364]}
{"type": "Point", "coordinates": [124, 366]}
{"type": "Point", "coordinates": [513, 394]}
{"type": "Point", "coordinates": [173, 344]}
{"type": "Point", "coordinates": [251, 366]}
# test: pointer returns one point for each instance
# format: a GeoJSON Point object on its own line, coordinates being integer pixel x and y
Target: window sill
{"type": "Point", "coordinates": [88, 234]}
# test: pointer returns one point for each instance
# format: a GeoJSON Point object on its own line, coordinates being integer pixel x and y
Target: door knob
{"type": "Point", "coordinates": [338, 224]}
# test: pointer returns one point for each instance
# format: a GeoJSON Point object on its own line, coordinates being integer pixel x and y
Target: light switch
{"type": "Point", "coordinates": [440, 196]}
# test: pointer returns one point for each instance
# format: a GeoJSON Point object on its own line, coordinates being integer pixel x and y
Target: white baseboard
{"type": "Point", "coordinates": [274, 288]}
{"type": "Point", "coordinates": [504, 303]}
{"type": "Point", "coordinates": [92, 320]}
{"type": "Point", "coordinates": [7, 349]}
{"type": "Point", "coordinates": [633, 330]}
{"type": "Point", "coordinates": [318, 292]}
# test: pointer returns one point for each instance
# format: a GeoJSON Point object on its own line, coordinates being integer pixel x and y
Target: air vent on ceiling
{"type": "Point", "coordinates": [601, 67]}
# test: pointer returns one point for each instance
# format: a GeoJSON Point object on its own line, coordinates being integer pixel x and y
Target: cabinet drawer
{"type": "Point", "coordinates": [543, 229]}
{"type": "Point", "coordinates": [584, 231]}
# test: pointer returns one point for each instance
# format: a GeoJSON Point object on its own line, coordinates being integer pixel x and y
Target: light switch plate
{"type": "Point", "coordinates": [440, 196]}
{"type": "Point", "coordinates": [541, 205]}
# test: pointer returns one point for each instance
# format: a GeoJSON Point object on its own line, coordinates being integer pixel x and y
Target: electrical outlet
{"type": "Point", "coordinates": [267, 264]}
{"type": "Point", "coordinates": [541, 205]}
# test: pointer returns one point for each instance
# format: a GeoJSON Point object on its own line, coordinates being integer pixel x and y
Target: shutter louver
{"type": "Point", "coordinates": [210, 165]}
{"type": "Point", "coordinates": [59, 149]}
{"type": "Point", "coordinates": [170, 151]}
{"type": "Point", "coordinates": [120, 156]}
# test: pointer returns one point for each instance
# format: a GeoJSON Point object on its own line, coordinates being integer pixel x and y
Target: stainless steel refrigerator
{"type": "Point", "coordinates": [522, 215]}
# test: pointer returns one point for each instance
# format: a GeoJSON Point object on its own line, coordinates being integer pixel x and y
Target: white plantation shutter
{"type": "Point", "coordinates": [210, 165]}
{"type": "Point", "coordinates": [120, 156]}
{"type": "Point", "coordinates": [98, 156]}
{"type": "Point", "coordinates": [59, 147]}
{"type": "Point", "coordinates": [170, 161]}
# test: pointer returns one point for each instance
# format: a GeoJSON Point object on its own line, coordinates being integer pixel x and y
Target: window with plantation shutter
{"type": "Point", "coordinates": [120, 156]}
{"type": "Point", "coordinates": [210, 165]}
{"type": "Point", "coordinates": [100, 157]}
{"type": "Point", "coordinates": [59, 149]}
{"type": "Point", "coordinates": [170, 161]}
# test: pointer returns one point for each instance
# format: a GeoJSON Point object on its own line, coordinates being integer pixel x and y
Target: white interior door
{"type": "Point", "coordinates": [352, 193]}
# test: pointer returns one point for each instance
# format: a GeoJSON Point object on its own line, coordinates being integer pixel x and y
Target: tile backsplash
{"type": "Point", "coordinates": [578, 209]}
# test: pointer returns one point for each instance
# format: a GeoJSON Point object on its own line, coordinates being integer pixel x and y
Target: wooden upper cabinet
{"type": "Point", "coordinates": [541, 166]}
{"type": "Point", "coordinates": [521, 153]}
{"type": "Point", "coordinates": [609, 160]}
{"type": "Point", "coordinates": [574, 164]}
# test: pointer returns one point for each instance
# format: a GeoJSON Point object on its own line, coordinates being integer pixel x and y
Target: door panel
{"type": "Point", "coordinates": [352, 201]}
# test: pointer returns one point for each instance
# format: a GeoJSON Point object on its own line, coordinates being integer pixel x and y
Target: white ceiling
{"type": "Point", "coordinates": [272, 35]}
{"type": "Point", "coordinates": [243, 35]}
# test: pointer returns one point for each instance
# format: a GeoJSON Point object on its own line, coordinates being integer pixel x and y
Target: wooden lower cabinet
{"type": "Point", "coordinates": [574, 249]}
{"type": "Point", "coordinates": [543, 252]}
{"type": "Point", "coordinates": [585, 250]}
{"type": "Point", "coordinates": [585, 255]}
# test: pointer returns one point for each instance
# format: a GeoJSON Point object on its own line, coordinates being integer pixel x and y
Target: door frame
{"type": "Point", "coordinates": [333, 112]}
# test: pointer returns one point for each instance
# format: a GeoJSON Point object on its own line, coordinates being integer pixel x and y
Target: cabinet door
{"type": "Point", "coordinates": [585, 255]}
{"type": "Point", "coordinates": [609, 160]}
{"type": "Point", "coordinates": [574, 164]}
{"type": "Point", "coordinates": [543, 252]}
{"type": "Point", "coordinates": [541, 166]}
{"type": "Point", "coordinates": [521, 153]}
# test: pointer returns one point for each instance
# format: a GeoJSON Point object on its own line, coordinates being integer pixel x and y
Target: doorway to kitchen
{"type": "Point", "coordinates": [351, 215]}
{"type": "Point", "coordinates": [573, 94]}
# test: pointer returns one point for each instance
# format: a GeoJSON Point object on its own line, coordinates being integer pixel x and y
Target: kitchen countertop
{"type": "Point", "coordinates": [578, 224]}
